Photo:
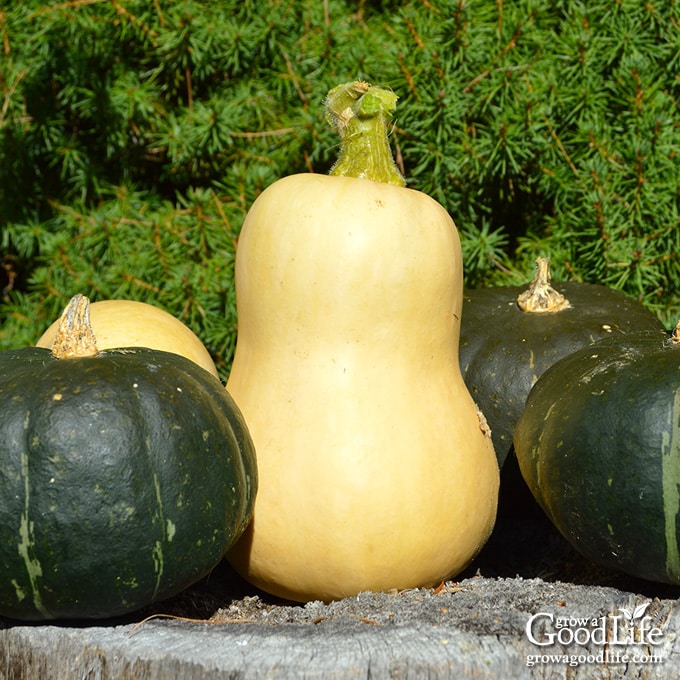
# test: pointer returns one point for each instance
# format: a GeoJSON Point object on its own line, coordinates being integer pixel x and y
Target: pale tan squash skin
{"type": "Point", "coordinates": [127, 323]}
{"type": "Point", "coordinates": [375, 472]}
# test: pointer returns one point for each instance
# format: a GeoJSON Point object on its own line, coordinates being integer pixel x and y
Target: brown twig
{"type": "Point", "coordinates": [188, 619]}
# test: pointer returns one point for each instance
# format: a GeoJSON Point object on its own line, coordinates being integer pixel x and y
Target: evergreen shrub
{"type": "Point", "coordinates": [135, 134]}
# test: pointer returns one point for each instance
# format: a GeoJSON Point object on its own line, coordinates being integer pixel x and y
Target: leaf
{"type": "Point", "coordinates": [640, 610]}
{"type": "Point", "coordinates": [626, 613]}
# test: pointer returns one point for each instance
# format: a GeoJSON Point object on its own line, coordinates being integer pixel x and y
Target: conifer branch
{"type": "Point", "coordinates": [135, 136]}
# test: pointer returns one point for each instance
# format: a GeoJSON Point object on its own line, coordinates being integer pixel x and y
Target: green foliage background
{"type": "Point", "coordinates": [134, 135]}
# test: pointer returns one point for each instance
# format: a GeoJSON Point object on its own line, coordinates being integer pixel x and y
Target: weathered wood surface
{"type": "Point", "coordinates": [474, 627]}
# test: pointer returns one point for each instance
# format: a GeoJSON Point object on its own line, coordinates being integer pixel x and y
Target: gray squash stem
{"type": "Point", "coordinates": [75, 337]}
{"type": "Point", "coordinates": [541, 297]}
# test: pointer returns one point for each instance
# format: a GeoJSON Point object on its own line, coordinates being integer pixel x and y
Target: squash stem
{"type": "Point", "coordinates": [541, 297]}
{"type": "Point", "coordinates": [360, 113]}
{"type": "Point", "coordinates": [75, 337]}
{"type": "Point", "coordinates": [675, 334]}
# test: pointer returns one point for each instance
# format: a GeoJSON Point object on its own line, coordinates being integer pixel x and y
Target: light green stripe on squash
{"type": "Point", "coordinates": [671, 496]}
{"type": "Point", "coordinates": [27, 543]}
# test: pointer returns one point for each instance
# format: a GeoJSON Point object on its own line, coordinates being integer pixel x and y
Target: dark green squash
{"type": "Point", "coordinates": [599, 446]}
{"type": "Point", "coordinates": [125, 475]}
{"type": "Point", "coordinates": [510, 335]}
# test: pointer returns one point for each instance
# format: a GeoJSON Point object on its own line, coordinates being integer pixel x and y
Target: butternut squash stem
{"type": "Point", "coordinates": [360, 113]}
{"type": "Point", "coordinates": [541, 297]}
{"type": "Point", "coordinates": [75, 337]}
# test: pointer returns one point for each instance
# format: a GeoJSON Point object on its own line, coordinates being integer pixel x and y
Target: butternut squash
{"type": "Point", "coordinates": [376, 469]}
{"type": "Point", "coordinates": [127, 323]}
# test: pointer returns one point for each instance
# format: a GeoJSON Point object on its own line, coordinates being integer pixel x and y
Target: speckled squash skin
{"type": "Point", "coordinates": [503, 350]}
{"type": "Point", "coordinates": [599, 446]}
{"type": "Point", "coordinates": [124, 478]}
